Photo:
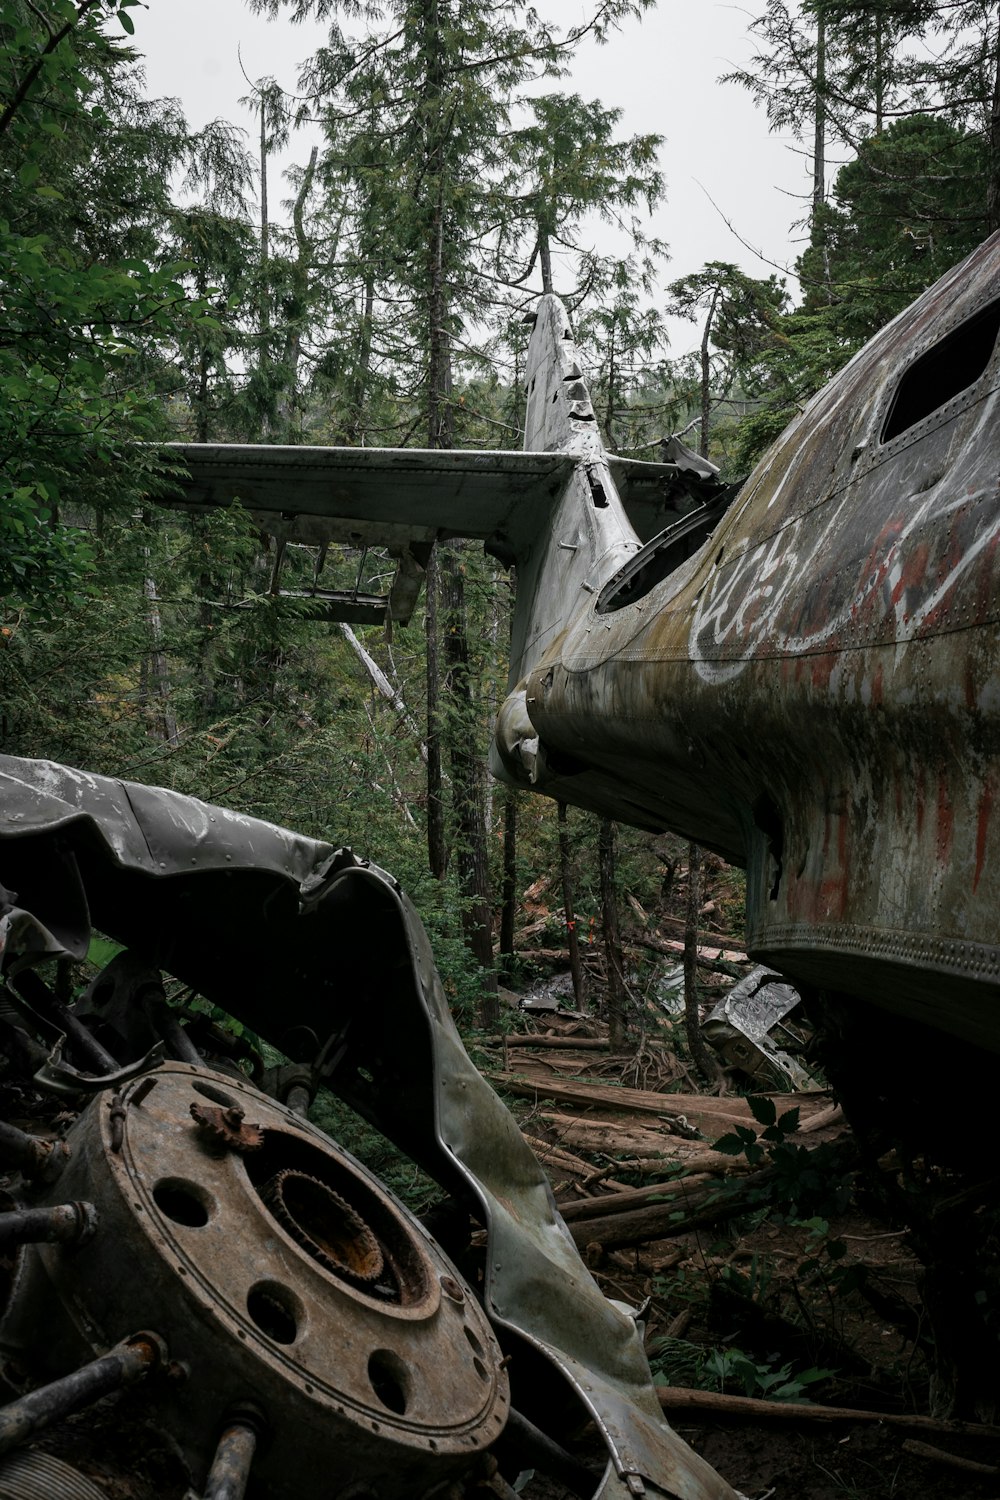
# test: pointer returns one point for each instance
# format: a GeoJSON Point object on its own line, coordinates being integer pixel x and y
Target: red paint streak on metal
{"type": "Point", "coordinates": [982, 826]}
{"type": "Point", "coordinates": [985, 591]}
{"type": "Point", "coordinates": [877, 685]}
{"type": "Point", "coordinates": [822, 667]}
{"type": "Point", "coordinates": [970, 686]}
{"type": "Point", "coordinates": [945, 821]}
{"type": "Point", "coordinates": [913, 574]}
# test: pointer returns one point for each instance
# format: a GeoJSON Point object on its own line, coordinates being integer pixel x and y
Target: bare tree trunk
{"type": "Point", "coordinates": [572, 936]}
{"type": "Point", "coordinates": [288, 423]}
{"type": "Point", "coordinates": [703, 1058]}
{"type": "Point", "coordinates": [508, 903]}
{"type": "Point", "coordinates": [706, 375]}
{"type": "Point", "coordinates": [545, 259]}
{"type": "Point", "coordinates": [607, 861]}
{"type": "Point", "coordinates": [465, 760]}
{"type": "Point", "coordinates": [437, 844]}
{"type": "Point", "coordinates": [819, 134]}
{"type": "Point", "coordinates": [993, 186]}
{"type": "Point", "coordinates": [166, 729]}
{"type": "Point", "coordinates": [381, 682]}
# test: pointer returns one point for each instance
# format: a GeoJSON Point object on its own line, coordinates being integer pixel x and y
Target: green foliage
{"type": "Point", "coordinates": [86, 300]}
{"type": "Point", "coordinates": [678, 1362]}
{"type": "Point", "coordinates": [412, 1186]}
{"type": "Point", "coordinates": [801, 1180]}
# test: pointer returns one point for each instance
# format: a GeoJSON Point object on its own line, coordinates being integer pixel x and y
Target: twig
{"type": "Point", "coordinates": [926, 1450]}
{"type": "Point", "coordinates": [680, 1398]}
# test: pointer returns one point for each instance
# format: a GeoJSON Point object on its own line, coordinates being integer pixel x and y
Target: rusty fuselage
{"type": "Point", "coordinates": [816, 692]}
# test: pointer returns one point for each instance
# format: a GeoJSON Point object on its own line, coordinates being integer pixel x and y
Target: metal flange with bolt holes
{"type": "Point", "coordinates": [287, 1277]}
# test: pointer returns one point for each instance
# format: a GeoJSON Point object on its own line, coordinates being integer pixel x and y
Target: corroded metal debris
{"type": "Point", "coordinates": [224, 1128]}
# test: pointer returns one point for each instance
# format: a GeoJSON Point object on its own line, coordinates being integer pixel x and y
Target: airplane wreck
{"type": "Point", "coordinates": [298, 1330]}
{"type": "Point", "coordinates": [802, 673]}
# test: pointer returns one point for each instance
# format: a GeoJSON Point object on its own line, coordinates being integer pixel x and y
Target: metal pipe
{"type": "Point", "coordinates": [126, 1363]}
{"type": "Point", "coordinates": [297, 1100]}
{"type": "Point", "coordinates": [64, 1223]}
{"type": "Point", "coordinates": [542, 1453]}
{"type": "Point", "coordinates": [33, 1156]}
{"type": "Point", "coordinates": [179, 1044]}
{"type": "Point", "coordinates": [230, 1471]}
{"type": "Point", "coordinates": [86, 1046]}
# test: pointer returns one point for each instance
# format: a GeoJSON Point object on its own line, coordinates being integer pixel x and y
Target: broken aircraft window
{"type": "Point", "coordinates": [943, 371]}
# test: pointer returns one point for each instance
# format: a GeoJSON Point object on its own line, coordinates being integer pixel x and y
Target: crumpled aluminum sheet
{"type": "Point", "coordinates": [752, 1008]}
{"type": "Point", "coordinates": [281, 930]}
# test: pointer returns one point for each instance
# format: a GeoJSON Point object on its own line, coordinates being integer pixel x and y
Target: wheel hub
{"type": "Point", "coordinates": [286, 1276]}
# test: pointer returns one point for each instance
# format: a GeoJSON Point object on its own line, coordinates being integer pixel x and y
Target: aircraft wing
{"type": "Point", "coordinates": [403, 499]}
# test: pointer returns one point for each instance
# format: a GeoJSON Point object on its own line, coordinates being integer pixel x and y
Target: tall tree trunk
{"type": "Point", "coordinates": [993, 186]}
{"type": "Point", "coordinates": [508, 893]}
{"type": "Point", "coordinates": [704, 1060]}
{"type": "Point", "coordinates": [706, 375]}
{"type": "Point", "coordinates": [437, 844]}
{"type": "Point", "coordinates": [817, 218]}
{"type": "Point", "coordinates": [819, 135]}
{"type": "Point", "coordinates": [607, 864]}
{"type": "Point", "coordinates": [610, 412]}
{"type": "Point", "coordinates": [467, 786]}
{"type": "Point", "coordinates": [356, 407]}
{"type": "Point", "coordinates": [545, 259]}
{"type": "Point", "coordinates": [264, 304]}
{"type": "Point", "coordinates": [165, 727]}
{"type": "Point", "coordinates": [569, 912]}
{"type": "Point", "coordinates": [287, 412]}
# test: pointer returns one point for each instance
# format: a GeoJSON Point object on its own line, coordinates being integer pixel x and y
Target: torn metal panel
{"type": "Point", "coordinates": [246, 912]}
{"type": "Point", "coordinates": [744, 1027]}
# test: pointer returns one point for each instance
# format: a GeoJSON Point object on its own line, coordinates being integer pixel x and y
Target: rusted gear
{"type": "Point", "coordinates": [224, 1128]}
{"type": "Point", "coordinates": [325, 1225]}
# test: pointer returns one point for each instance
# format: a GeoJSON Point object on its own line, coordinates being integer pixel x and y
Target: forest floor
{"type": "Point", "coordinates": [821, 1312]}
{"type": "Point", "coordinates": [773, 1279]}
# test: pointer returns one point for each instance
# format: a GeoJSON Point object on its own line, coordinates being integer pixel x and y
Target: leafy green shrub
{"type": "Point", "coordinates": [801, 1181]}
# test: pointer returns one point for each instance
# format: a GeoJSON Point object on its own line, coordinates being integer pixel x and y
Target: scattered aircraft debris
{"type": "Point", "coordinates": [745, 1027]}
{"type": "Point", "coordinates": [194, 1234]}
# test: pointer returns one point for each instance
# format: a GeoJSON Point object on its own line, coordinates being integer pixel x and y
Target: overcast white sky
{"type": "Point", "coordinates": [662, 72]}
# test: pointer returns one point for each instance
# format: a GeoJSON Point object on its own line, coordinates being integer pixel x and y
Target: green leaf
{"type": "Point", "coordinates": [762, 1109]}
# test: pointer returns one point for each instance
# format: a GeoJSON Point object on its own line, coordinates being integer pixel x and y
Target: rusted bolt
{"type": "Point", "coordinates": [451, 1289]}
{"type": "Point", "coordinates": [117, 1107]}
{"type": "Point", "coordinates": [142, 1091]}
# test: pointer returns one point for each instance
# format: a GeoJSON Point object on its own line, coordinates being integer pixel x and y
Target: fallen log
{"type": "Point", "coordinates": [646, 1152]}
{"type": "Point", "coordinates": [681, 1398]}
{"type": "Point", "coordinates": [563, 1161]}
{"type": "Point", "coordinates": [609, 1138]}
{"type": "Point", "coordinates": [657, 1221]}
{"type": "Point", "coordinates": [642, 1101]}
{"type": "Point", "coordinates": [599, 1208]}
{"type": "Point", "coordinates": [831, 1116]}
{"type": "Point", "coordinates": [709, 955]}
{"type": "Point", "coordinates": [518, 1039]}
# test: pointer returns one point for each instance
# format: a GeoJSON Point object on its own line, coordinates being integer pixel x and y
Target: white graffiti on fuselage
{"type": "Point", "coordinates": [740, 614]}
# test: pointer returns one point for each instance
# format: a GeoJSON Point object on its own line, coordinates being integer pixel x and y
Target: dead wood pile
{"type": "Point", "coordinates": [589, 1132]}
